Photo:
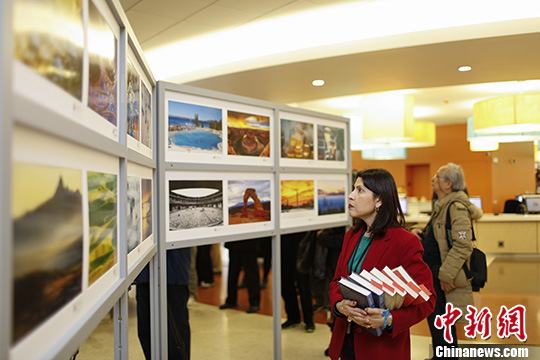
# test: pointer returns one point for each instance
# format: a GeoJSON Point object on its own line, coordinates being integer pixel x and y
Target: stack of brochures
{"type": "Point", "coordinates": [389, 288]}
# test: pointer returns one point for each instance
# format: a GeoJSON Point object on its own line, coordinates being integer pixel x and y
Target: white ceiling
{"type": "Point", "coordinates": [498, 52]}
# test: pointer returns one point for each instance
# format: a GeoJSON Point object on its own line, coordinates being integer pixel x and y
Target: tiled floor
{"type": "Point", "coordinates": [233, 334]}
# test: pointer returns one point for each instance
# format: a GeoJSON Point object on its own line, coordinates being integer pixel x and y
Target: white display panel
{"type": "Point", "coordinates": [205, 204]}
{"type": "Point", "coordinates": [69, 171]}
{"type": "Point", "coordinates": [308, 199]}
{"type": "Point", "coordinates": [207, 130]}
{"type": "Point", "coordinates": [48, 162]}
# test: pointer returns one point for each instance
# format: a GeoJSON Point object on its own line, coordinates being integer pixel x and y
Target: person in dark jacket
{"type": "Point", "coordinates": [178, 269]}
{"type": "Point", "coordinates": [243, 254]}
{"type": "Point", "coordinates": [290, 274]}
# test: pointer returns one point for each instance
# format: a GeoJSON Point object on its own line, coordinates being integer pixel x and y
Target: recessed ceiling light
{"type": "Point", "coordinates": [464, 68]}
{"type": "Point", "coordinates": [317, 82]}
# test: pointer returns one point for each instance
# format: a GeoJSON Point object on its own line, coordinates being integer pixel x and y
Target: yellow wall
{"type": "Point", "coordinates": [495, 176]}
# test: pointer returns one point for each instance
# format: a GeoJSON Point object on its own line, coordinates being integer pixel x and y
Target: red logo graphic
{"type": "Point", "coordinates": [448, 320]}
{"type": "Point", "coordinates": [509, 322]}
{"type": "Point", "coordinates": [512, 322]}
{"type": "Point", "coordinates": [479, 322]}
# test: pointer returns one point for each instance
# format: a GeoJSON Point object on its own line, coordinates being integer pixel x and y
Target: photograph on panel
{"type": "Point", "coordinates": [133, 101]}
{"type": "Point", "coordinates": [248, 134]}
{"type": "Point", "coordinates": [331, 197]}
{"type": "Point", "coordinates": [249, 201]}
{"type": "Point", "coordinates": [102, 57]}
{"type": "Point", "coordinates": [297, 196]}
{"type": "Point", "coordinates": [195, 204]}
{"type": "Point", "coordinates": [330, 143]}
{"type": "Point", "coordinates": [296, 139]}
{"type": "Point", "coordinates": [47, 213]}
{"type": "Point", "coordinates": [134, 209]}
{"type": "Point", "coordinates": [49, 38]}
{"type": "Point", "coordinates": [102, 216]}
{"type": "Point", "coordinates": [146, 117]}
{"type": "Point", "coordinates": [195, 128]}
{"type": "Point", "coordinates": [146, 206]}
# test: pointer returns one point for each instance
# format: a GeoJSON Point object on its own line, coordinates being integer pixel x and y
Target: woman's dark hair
{"type": "Point", "coordinates": [390, 214]}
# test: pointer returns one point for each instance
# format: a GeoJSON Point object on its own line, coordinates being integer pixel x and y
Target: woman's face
{"type": "Point", "coordinates": [363, 203]}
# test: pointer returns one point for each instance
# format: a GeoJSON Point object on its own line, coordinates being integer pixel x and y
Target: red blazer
{"type": "Point", "coordinates": [396, 247]}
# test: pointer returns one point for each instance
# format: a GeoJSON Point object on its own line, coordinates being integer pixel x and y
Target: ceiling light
{"type": "Point", "coordinates": [387, 117]}
{"type": "Point", "coordinates": [507, 114]}
{"type": "Point", "coordinates": [424, 111]}
{"type": "Point", "coordinates": [384, 154]}
{"type": "Point", "coordinates": [349, 28]}
{"type": "Point", "coordinates": [490, 142]}
{"type": "Point", "coordinates": [481, 144]}
{"type": "Point", "coordinates": [516, 87]}
{"type": "Point", "coordinates": [424, 136]}
{"type": "Point", "coordinates": [464, 68]}
{"type": "Point", "coordinates": [317, 82]}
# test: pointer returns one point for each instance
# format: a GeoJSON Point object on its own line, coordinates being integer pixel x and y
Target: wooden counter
{"type": "Point", "coordinates": [503, 233]}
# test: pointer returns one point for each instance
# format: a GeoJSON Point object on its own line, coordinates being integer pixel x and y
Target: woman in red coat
{"type": "Point", "coordinates": [377, 240]}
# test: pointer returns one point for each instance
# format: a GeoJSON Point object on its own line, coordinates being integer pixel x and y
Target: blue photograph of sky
{"type": "Point", "coordinates": [188, 111]}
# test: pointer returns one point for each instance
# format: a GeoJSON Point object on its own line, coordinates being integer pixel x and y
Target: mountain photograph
{"type": "Point", "coordinates": [47, 243]}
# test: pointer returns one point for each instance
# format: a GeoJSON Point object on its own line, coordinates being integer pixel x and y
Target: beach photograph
{"type": "Point", "coordinates": [297, 196]}
{"type": "Point", "coordinates": [49, 38]}
{"type": "Point", "coordinates": [331, 197]}
{"type": "Point", "coordinates": [133, 101]}
{"type": "Point", "coordinates": [296, 139]}
{"type": "Point", "coordinates": [102, 216]}
{"type": "Point", "coordinates": [248, 134]}
{"type": "Point", "coordinates": [47, 214]}
{"type": "Point", "coordinates": [195, 128]}
{"type": "Point", "coordinates": [103, 80]}
{"type": "Point", "coordinates": [195, 204]}
{"type": "Point", "coordinates": [249, 201]}
{"type": "Point", "coordinates": [330, 143]}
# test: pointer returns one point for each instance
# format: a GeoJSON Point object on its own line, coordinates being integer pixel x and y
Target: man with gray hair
{"type": "Point", "coordinates": [446, 264]}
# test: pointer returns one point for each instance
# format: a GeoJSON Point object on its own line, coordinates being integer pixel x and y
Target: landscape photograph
{"type": "Point", "coordinates": [195, 128]}
{"type": "Point", "coordinates": [133, 101]}
{"type": "Point", "coordinates": [330, 143]}
{"type": "Point", "coordinates": [102, 216]}
{"type": "Point", "coordinates": [133, 231]}
{"type": "Point", "coordinates": [296, 139]}
{"type": "Point", "coordinates": [195, 204]}
{"type": "Point", "coordinates": [52, 46]}
{"type": "Point", "coordinates": [146, 116]}
{"type": "Point", "coordinates": [297, 196]}
{"type": "Point", "coordinates": [146, 206]}
{"type": "Point", "coordinates": [248, 134]}
{"type": "Point", "coordinates": [47, 212]}
{"type": "Point", "coordinates": [249, 201]}
{"type": "Point", "coordinates": [331, 197]}
{"type": "Point", "coordinates": [102, 57]}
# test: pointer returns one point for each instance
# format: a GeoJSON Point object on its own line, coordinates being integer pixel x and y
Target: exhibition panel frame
{"type": "Point", "coordinates": [230, 158]}
{"type": "Point", "coordinates": [89, 137]}
{"type": "Point", "coordinates": [67, 167]}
